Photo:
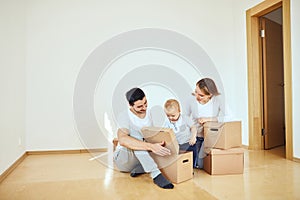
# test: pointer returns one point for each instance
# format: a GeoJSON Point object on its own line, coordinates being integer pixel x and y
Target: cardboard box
{"type": "Point", "coordinates": [223, 135]}
{"type": "Point", "coordinates": [176, 167]}
{"type": "Point", "coordinates": [221, 162]}
{"type": "Point", "coordinates": [181, 169]}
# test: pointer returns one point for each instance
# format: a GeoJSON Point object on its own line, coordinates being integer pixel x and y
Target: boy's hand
{"type": "Point", "coordinates": [192, 141]}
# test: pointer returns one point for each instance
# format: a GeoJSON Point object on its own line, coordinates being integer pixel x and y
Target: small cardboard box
{"type": "Point", "coordinates": [181, 169]}
{"type": "Point", "coordinates": [176, 167]}
{"type": "Point", "coordinates": [221, 162]}
{"type": "Point", "coordinates": [223, 135]}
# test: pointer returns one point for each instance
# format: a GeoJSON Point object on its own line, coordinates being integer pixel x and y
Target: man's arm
{"type": "Point", "coordinates": [134, 144]}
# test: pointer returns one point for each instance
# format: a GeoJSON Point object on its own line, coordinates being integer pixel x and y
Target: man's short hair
{"type": "Point", "coordinates": [134, 95]}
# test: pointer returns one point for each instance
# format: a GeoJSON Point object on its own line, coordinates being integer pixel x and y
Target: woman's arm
{"type": "Point", "coordinates": [202, 120]}
{"type": "Point", "coordinates": [194, 135]}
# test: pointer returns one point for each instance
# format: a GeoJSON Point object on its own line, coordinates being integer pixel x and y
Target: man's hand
{"type": "Point", "coordinates": [159, 149]}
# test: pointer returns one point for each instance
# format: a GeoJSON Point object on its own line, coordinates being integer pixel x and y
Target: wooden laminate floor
{"type": "Point", "coordinates": [267, 175]}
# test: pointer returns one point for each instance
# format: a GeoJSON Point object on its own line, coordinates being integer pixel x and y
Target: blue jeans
{"type": "Point", "coordinates": [193, 148]}
{"type": "Point", "coordinates": [199, 161]}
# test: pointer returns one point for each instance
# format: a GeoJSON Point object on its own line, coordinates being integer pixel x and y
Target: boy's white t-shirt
{"type": "Point", "coordinates": [181, 128]}
{"type": "Point", "coordinates": [133, 123]}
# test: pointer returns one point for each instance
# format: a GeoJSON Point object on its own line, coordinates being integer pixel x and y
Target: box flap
{"type": "Point", "coordinates": [157, 135]}
{"type": "Point", "coordinates": [227, 151]}
{"type": "Point", "coordinates": [216, 125]}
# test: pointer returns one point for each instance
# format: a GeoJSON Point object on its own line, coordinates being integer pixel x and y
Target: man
{"type": "Point", "coordinates": [132, 154]}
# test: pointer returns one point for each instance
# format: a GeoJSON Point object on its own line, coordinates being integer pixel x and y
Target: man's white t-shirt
{"type": "Point", "coordinates": [133, 123]}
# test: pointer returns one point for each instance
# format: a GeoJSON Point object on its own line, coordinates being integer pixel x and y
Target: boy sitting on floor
{"type": "Point", "coordinates": [183, 128]}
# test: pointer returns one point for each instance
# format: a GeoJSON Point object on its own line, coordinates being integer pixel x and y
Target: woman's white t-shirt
{"type": "Point", "coordinates": [213, 108]}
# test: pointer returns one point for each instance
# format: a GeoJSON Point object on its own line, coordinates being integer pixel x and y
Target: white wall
{"type": "Point", "coordinates": [61, 37]}
{"type": "Point", "coordinates": [12, 82]}
{"type": "Point", "coordinates": [295, 29]}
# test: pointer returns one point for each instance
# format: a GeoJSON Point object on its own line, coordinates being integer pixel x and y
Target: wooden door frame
{"type": "Point", "coordinates": [254, 62]}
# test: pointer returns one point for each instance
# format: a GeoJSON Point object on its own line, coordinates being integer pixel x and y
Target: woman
{"type": "Point", "coordinates": [204, 106]}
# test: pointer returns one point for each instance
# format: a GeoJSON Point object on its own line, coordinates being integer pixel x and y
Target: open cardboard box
{"type": "Point", "coordinates": [176, 167]}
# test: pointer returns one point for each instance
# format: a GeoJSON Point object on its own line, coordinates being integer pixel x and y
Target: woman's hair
{"type": "Point", "coordinates": [134, 95]}
{"type": "Point", "coordinates": [208, 86]}
{"type": "Point", "coordinates": [172, 104]}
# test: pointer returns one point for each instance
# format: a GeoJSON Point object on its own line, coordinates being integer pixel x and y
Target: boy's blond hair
{"type": "Point", "coordinates": [172, 104]}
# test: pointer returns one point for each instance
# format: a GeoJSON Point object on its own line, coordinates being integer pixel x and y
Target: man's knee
{"type": "Point", "coordinates": [125, 160]}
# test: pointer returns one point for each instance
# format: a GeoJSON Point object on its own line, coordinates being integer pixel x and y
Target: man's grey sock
{"type": "Point", "coordinates": [138, 170]}
{"type": "Point", "coordinates": [162, 182]}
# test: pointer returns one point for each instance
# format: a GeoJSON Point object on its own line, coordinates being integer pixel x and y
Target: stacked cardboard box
{"type": "Point", "coordinates": [223, 143]}
{"type": "Point", "coordinates": [176, 167]}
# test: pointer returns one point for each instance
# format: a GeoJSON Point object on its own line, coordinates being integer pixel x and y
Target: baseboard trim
{"type": "Point", "coordinates": [75, 151]}
{"type": "Point", "coordinates": [296, 160]}
{"type": "Point", "coordinates": [12, 167]}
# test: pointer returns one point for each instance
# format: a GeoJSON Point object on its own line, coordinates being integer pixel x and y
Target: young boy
{"type": "Point", "coordinates": [183, 128]}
